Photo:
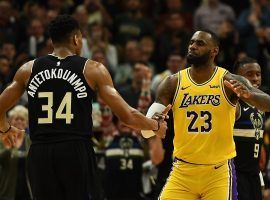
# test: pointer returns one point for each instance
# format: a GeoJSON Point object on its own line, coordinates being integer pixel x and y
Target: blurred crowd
{"type": "Point", "coordinates": [126, 36]}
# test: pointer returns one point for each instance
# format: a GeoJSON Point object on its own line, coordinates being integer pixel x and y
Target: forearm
{"type": "Point", "coordinates": [136, 120]}
{"type": "Point", "coordinates": [156, 150]}
{"type": "Point", "coordinates": [260, 100]}
{"type": "Point", "coordinates": [4, 125]}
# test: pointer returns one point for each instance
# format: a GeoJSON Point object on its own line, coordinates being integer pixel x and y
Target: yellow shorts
{"type": "Point", "coordinates": [207, 182]}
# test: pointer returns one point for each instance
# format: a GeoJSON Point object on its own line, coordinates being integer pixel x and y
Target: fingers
{"type": "Point", "coordinates": [167, 109]}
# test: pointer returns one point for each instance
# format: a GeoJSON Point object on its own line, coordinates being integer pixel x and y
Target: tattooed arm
{"type": "Point", "coordinates": [239, 87]}
{"type": "Point", "coordinates": [166, 90]}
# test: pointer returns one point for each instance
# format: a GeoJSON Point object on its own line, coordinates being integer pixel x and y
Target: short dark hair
{"type": "Point", "coordinates": [214, 36]}
{"type": "Point", "coordinates": [239, 63]}
{"type": "Point", "coordinates": [62, 27]}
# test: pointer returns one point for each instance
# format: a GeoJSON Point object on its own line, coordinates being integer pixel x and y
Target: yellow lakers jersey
{"type": "Point", "coordinates": [203, 120]}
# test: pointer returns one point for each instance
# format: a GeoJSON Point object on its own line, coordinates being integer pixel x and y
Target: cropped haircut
{"type": "Point", "coordinates": [61, 28]}
{"type": "Point", "coordinates": [214, 36]}
{"type": "Point", "coordinates": [239, 63]}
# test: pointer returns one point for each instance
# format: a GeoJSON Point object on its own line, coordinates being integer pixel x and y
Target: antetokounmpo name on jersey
{"type": "Point", "coordinates": [200, 99]}
{"type": "Point", "coordinates": [55, 73]}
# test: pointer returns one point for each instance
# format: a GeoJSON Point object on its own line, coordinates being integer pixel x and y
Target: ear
{"type": "Point", "coordinates": [215, 50]}
{"type": "Point", "coordinates": [76, 39]}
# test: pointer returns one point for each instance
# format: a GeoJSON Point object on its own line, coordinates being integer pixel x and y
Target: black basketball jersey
{"type": "Point", "coordinates": [123, 174]}
{"type": "Point", "coordinates": [248, 137]}
{"type": "Point", "coordinates": [60, 100]}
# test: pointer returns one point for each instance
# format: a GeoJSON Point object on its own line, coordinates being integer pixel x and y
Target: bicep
{"type": "Point", "coordinates": [11, 95]}
{"type": "Point", "coordinates": [109, 94]}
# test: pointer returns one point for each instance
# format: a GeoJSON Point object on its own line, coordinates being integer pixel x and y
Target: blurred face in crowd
{"type": "Point", "coordinates": [4, 66]}
{"type": "Point", "coordinates": [96, 32]}
{"type": "Point", "coordinates": [147, 48]}
{"type": "Point", "coordinates": [138, 75]}
{"type": "Point", "coordinates": [99, 56]}
{"type": "Point", "coordinates": [9, 50]}
{"type": "Point", "coordinates": [225, 28]}
{"type": "Point", "coordinates": [81, 15]}
{"type": "Point", "coordinates": [251, 71]}
{"type": "Point", "coordinates": [133, 5]}
{"type": "Point", "coordinates": [5, 11]}
{"type": "Point", "coordinates": [175, 22]}
{"type": "Point", "coordinates": [19, 121]}
{"type": "Point", "coordinates": [51, 15]}
{"type": "Point", "coordinates": [36, 28]}
{"type": "Point", "coordinates": [201, 49]}
{"type": "Point", "coordinates": [175, 63]}
{"type": "Point", "coordinates": [132, 51]}
{"type": "Point", "coordinates": [174, 5]}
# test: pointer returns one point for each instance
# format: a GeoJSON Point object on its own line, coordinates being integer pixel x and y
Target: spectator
{"type": "Point", "coordinates": [174, 39]}
{"type": "Point", "coordinates": [175, 63]}
{"type": "Point", "coordinates": [97, 13]}
{"type": "Point", "coordinates": [264, 56]}
{"type": "Point", "coordinates": [13, 181]}
{"type": "Point", "coordinates": [132, 54]}
{"type": "Point", "coordinates": [8, 49]}
{"type": "Point", "coordinates": [37, 38]}
{"type": "Point", "coordinates": [227, 47]}
{"type": "Point", "coordinates": [132, 24]}
{"type": "Point", "coordinates": [99, 38]}
{"type": "Point", "coordinates": [137, 94]}
{"type": "Point", "coordinates": [5, 70]}
{"type": "Point", "coordinates": [9, 27]}
{"type": "Point", "coordinates": [147, 47]}
{"type": "Point", "coordinates": [123, 173]}
{"type": "Point", "coordinates": [211, 14]}
{"type": "Point", "coordinates": [249, 24]}
{"type": "Point", "coordinates": [81, 15]}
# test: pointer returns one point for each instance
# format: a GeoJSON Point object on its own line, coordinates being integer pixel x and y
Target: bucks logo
{"type": "Point", "coordinates": [257, 122]}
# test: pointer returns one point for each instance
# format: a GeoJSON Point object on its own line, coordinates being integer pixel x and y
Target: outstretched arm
{"type": "Point", "coordinates": [242, 88]}
{"type": "Point", "coordinates": [100, 80]}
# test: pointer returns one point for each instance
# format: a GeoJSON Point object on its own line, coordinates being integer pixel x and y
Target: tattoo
{"type": "Point", "coordinates": [259, 99]}
{"type": "Point", "coordinates": [167, 89]}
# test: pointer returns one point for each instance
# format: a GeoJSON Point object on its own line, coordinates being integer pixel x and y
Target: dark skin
{"type": "Point", "coordinates": [236, 86]}
{"type": "Point", "coordinates": [252, 72]}
{"type": "Point", "coordinates": [97, 77]}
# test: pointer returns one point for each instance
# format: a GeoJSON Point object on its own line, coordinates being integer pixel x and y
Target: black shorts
{"type": "Point", "coordinates": [248, 186]}
{"type": "Point", "coordinates": [63, 170]}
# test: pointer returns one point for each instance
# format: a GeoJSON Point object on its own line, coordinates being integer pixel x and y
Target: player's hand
{"type": "Point", "coordinates": [160, 117]}
{"type": "Point", "coordinates": [163, 115]}
{"type": "Point", "coordinates": [238, 88]}
{"type": "Point", "coordinates": [13, 137]}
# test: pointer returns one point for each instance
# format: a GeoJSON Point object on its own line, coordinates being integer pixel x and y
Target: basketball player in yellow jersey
{"type": "Point", "coordinates": [203, 99]}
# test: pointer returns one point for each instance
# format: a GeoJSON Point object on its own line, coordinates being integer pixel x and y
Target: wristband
{"type": "Point", "coordinates": [7, 129]}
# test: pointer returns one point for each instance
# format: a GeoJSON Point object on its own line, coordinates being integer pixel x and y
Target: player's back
{"type": "Point", "coordinates": [60, 100]}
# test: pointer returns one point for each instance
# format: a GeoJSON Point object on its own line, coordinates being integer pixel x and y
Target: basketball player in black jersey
{"type": "Point", "coordinates": [248, 136]}
{"type": "Point", "coordinates": [60, 88]}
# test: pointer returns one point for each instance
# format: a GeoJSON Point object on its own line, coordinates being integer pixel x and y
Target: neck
{"type": "Point", "coordinates": [203, 73]}
{"type": "Point", "coordinates": [63, 51]}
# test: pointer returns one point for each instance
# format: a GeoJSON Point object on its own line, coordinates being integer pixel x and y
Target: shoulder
{"type": "Point", "coordinates": [167, 89]}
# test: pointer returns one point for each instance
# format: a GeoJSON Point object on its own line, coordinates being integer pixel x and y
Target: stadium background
{"type": "Point", "coordinates": [124, 34]}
